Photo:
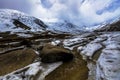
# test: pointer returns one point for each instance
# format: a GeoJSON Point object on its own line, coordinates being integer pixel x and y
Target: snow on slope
{"type": "Point", "coordinates": [7, 17]}
{"type": "Point", "coordinates": [64, 26]}
{"type": "Point", "coordinates": [108, 63]}
{"type": "Point", "coordinates": [113, 25]}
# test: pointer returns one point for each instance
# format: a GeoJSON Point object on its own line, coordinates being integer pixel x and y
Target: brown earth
{"type": "Point", "coordinates": [15, 60]}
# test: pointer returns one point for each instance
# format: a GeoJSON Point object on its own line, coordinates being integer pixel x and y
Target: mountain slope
{"type": "Point", "coordinates": [113, 26]}
{"type": "Point", "coordinates": [15, 21]}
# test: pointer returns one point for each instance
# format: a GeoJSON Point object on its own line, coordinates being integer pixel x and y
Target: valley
{"type": "Point", "coordinates": [66, 55]}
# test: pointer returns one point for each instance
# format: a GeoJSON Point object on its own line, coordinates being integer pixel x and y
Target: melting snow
{"type": "Point", "coordinates": [32, 70]}
{"type": "Point", "coordinates": [108, 64]}
{"type": "Point", "coordinates": [48, 69]}
{"type": "Point", "coordinates": [90, 49]}
{"type": "Point", "coordinates": [56, 42]}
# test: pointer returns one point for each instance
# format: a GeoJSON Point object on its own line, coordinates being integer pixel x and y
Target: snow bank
{"type": "Point", "coordinates": [90, 49]}
{"type": "Point", "coordinates": [108, 66]}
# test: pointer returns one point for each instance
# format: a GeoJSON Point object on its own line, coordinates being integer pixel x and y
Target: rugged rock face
{"type": "Point", "coordinates": [50, 53]}
{"type": "Point", "coordinates": [19, 24]}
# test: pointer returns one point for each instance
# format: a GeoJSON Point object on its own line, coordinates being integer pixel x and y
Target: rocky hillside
{"type": "Point", "coordinates": [40, 54]}
{"type": "Point", "coordinates": [114, 26]}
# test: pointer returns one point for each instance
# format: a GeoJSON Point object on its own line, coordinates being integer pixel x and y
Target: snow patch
{"type": "Point", "coordinates": [34, 69]}
{"type": "Point", "coordinates": [31, 71]}
{"type": "Point", "coordinates": [56, 42]}
{"type": "Point", "coordinates": [90, 49]}
{"type": "Point", "coordinates": [69, 42]}
{"type": "Point", "coordinates": [24, 35]}
{"type": "Point", "coordinates": [49, 69]}
{"type": "Point", "coordinates": [108, 64]}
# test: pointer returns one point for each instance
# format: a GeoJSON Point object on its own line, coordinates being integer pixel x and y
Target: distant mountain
{"type": "Point", "coordinates": [64, 27]}
{"type": "Point", "coordinates": [15, 21]}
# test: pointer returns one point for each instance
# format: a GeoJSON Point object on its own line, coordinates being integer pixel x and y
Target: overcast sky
{"type": "Point", "coordinates": [80, 12]}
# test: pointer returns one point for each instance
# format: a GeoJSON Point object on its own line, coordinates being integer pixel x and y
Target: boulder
{"type": "Point", "coordinates": [50, 54]}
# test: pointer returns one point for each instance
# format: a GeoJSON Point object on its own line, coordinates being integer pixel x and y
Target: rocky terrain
{"type": "Point", "coordinates": [29, 50]}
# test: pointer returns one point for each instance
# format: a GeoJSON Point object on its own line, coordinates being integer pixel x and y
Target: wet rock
{"type": "Point", "coordinates": [50, 54]}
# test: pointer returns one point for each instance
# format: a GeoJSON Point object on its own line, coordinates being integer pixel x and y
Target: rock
{"type": "Point", "coordinates": [50, 54]}
{"type": "Point", "coordinates": [19, 24]}
{"type": "Point", "coordinates": [26, 43]}
{"type": "Point", "coordinates": [115, 26]}
{"type": "Point", "coordinates": [40, 23]}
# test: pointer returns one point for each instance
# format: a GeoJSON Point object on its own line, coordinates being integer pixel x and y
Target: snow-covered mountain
{"type": "Point", "coordinates": [15, 21]}
{"type": "Point", "coordinates": [64, 27]}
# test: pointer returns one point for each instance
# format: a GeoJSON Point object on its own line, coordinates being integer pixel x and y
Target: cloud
{"type": "Point", "coordinates": [89, 11]}
{"type": "Point", "coordinates": [79, 12]}
{"type": "Point", "coordinates": [47, 3]}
